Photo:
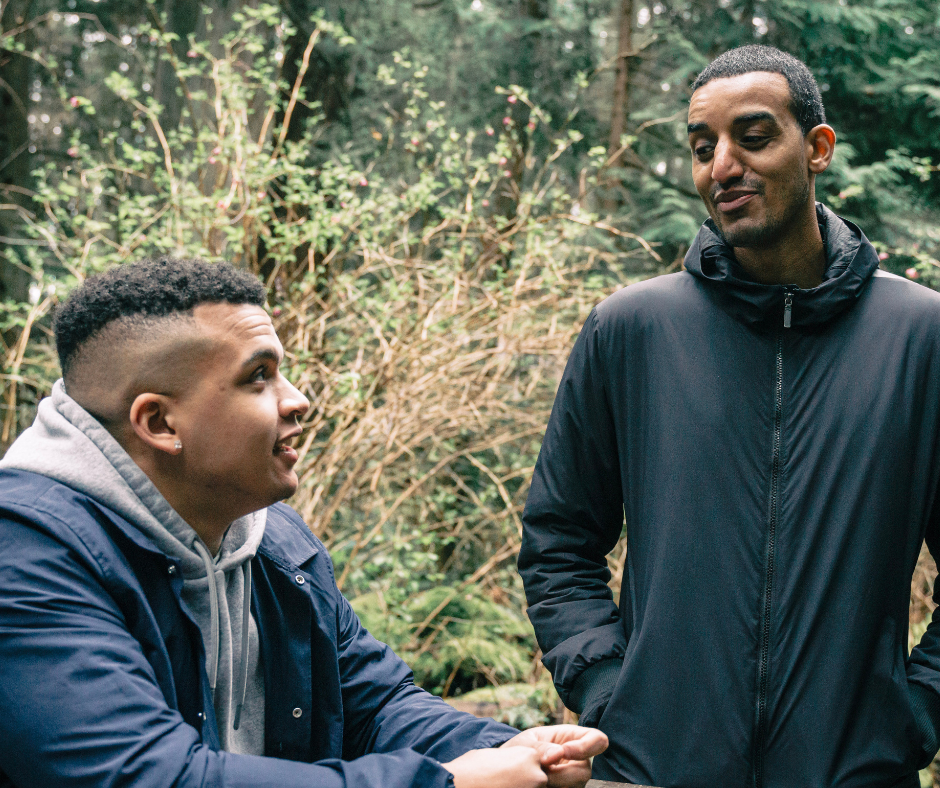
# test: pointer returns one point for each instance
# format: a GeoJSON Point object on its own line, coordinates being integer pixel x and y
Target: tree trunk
{"type": "Point", "coordinates": [618, 114]}
{"type": "Point", "coordinates": [15, 159]}
{"type": "Point", "coordinates": [182, 18]}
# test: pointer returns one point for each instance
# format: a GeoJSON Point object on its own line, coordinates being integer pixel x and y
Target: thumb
{"type": "Point", "coordinates": [592, 742]}
{"type": "Point", "coordinates": [549, 753]}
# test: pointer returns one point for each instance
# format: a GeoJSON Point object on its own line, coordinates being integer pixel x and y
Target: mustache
{"type": "Point", "coordinates": [746, 184]}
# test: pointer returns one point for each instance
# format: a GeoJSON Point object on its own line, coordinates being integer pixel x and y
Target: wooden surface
{"type": "Point", "coordinates": [605, 784]}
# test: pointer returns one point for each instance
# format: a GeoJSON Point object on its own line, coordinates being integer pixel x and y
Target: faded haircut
{"type": "Point", "coordinates": [805, 100]}
{"type": "Point", "coordinates": [143, 292]}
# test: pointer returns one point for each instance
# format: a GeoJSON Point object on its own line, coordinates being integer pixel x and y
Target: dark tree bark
{"type": "Point", "coordinates": [182, 18]}
{"type": "Point", "coordinates": [621, 99]}
{"type": "Point", "coordinates": [328, 78]}
{"type": "Point", "coordinates": [15, 181]}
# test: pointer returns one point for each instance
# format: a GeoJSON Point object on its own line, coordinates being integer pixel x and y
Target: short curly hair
{"type": "Point", "coordinates": [153, 288]}
{"type": "Point", "coordinates": [805, 100]}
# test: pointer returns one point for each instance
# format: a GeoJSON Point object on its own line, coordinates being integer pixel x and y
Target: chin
{"type": "Point", "coordinates": [287, 488]}
{"type": "Point", "coordinates": [743, 235]}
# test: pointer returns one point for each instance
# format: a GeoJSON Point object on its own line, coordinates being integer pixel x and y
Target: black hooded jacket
{"type": "Point", "coordinates": [776, 454]}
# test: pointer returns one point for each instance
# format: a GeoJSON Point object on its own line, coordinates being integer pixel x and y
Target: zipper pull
{"type": "Point", "coordinates": [787, 309]}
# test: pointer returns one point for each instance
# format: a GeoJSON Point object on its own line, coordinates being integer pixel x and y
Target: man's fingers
{"type": "Point", "coordinates": [591, 743]}
{"type": "Point", "coordinates": [549, 753]}
{"type": "Point", "coordinates": [570, 774]}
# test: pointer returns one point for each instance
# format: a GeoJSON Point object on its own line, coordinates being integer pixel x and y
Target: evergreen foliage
{"type": "Point", "coordinates": [428, 192]}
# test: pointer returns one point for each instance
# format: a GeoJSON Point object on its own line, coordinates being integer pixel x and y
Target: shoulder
{"type": "Point", "coordinates": [27, 497]}
{"type": "Point", "coordinates": [45, 525]}
{"type": "Point", "coordinates": [25, 488]}
{"type": "Point", "coordinates": [905, 291]}
{"type": "Point", "coordinates": [661, 295]}
{"type": "Point", "coordinates": [902, 302]}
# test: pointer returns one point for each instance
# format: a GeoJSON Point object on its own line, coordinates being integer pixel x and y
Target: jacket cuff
{"type": "Point", "coordinates": [594, 686]}
{"type": "Point", "coordinates": [925, 705]}
{"type": "Point", "coordinates": [496, 740]}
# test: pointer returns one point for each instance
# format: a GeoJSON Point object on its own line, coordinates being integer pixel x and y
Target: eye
{"type": "Point", "coordinates": [702, 152]}
{"type": "Point", "coordinates": [259, 375]}
{"type": "Point", "coordinates": [754, 140]}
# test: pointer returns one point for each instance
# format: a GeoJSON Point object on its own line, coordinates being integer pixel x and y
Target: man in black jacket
{"type": "Point", "coordinates": [769, 425]}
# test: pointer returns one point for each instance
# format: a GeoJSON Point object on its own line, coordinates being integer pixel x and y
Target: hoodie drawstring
{"type": "Point", "coordinates": [240, 684]}
{"type": "Point", "coordinates": [243, 659]}
{"type": "Point", "coordinates": [213, 613]}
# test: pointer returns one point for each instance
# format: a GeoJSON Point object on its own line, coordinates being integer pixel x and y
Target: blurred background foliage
{"type": "Point", "coordinates": [435, 192]}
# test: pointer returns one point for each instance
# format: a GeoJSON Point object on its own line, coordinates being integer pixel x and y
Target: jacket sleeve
{"type": "Point", "coordinates": [923, 668]}
{"type": "Point", "coordinates": [81, 706]}
{"type": "Point", "coordinates": [384, 710]}
{"type": "Point", "coordinates": [573, 518]}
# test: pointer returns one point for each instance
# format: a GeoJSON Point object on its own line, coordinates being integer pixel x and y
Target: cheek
{"type": "Point", "coordinates": [701, 178]}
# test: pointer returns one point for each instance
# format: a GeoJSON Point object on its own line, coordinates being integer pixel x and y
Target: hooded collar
{"type": "Point", "coordinates": [851, 262]}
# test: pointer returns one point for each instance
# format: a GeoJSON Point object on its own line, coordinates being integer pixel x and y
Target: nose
{"type": "Point", "coordinates": [726, 166]}
{"type": "Point", "coordinates": [292, 403]}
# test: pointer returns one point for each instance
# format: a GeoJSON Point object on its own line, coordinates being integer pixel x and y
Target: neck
{"type": "Point", "coordinates": [210, 520]}
{"type": "Point", "coordinates": [209, 526]}
{"type": "Point", "coordinates": [798, 258]}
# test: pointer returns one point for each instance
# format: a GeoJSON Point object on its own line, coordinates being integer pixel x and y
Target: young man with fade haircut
{"type": "Point", "coordinates": [163, 619]}
{"type": "Point", "coordinates": [767, 424]}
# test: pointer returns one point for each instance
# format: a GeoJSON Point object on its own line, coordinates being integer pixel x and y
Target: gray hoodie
{"type": "Point", "coordinates": [68, 444]}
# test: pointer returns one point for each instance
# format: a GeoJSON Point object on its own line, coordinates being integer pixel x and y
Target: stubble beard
{"type": "Point", "coordinates": [772, 229]}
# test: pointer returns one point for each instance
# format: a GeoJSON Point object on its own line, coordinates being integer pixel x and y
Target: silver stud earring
{"type": "Point", "coordinates": [178, 445]}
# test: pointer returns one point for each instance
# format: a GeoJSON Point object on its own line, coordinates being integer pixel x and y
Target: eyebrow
{"type": "Point", "coordinates": [265, 354]}
{"type": "Point", "coordinates": [741, 120]}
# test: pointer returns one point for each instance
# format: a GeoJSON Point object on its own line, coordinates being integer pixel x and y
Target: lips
{"type": "Point", "coordinates": [288, 453]}
{"type": "Point", "coordinates": [733, 201]}
{"type": "Point", "coordinates": [283, 448]}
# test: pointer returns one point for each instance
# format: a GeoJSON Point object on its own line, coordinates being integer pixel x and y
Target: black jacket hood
{"type": "Point", "coordinates": [851, 262]}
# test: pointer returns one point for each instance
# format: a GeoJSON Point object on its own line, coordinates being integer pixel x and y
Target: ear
{"type": "Point", "coordinates": [820, 145]}
{"type": "Point", "coordinates": [152, 421]}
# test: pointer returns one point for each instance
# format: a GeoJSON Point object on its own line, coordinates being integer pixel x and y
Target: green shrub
{"type": "Point", "coordinates": [427, 286]}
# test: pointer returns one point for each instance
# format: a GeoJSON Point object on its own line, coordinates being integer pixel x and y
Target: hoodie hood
{"type": "Point", "coordinates": [851, 262]}
{"type": "Point", "coordinates": [68, 444]}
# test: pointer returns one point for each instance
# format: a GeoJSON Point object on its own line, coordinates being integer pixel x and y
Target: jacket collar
{"type": "Point", "coordinates": [851, 262]}
{"type": "Point", "coordinates": [290, 547]}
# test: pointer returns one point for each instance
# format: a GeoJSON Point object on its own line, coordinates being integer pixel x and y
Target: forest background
{"type": "Point", "coordinates": [435, 192]}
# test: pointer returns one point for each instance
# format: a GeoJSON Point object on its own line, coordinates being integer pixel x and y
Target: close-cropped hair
{"type": "Point", "coordinates": [805, 100]}
{"type": "Point", "coordinates": [145, 291]}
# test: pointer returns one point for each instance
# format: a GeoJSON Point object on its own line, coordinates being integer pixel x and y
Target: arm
{"type": "Point", "coordinates": [385, 711]}
{"type": "Point", "coordinates": [572, 519]}
{"type": "Point", "coordinates": [80, 704]}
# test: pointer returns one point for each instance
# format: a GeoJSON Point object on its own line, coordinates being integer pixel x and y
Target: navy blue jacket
{"type": "Point", "coordinates": [102, 670]}
{"type": "Point", "coordinates": [775, 454]}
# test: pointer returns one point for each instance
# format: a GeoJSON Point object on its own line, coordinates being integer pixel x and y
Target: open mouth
{"type": "Point", "coordinates": [285, 450]}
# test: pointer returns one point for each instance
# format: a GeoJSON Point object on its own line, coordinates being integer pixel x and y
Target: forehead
{"type": "Point", "coordinates": [722, 100]}
{"type": "Point", "coordinates": [235, 330]}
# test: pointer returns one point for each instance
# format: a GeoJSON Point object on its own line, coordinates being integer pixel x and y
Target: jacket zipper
{"type": "Point", "coordinates": [763, 664]}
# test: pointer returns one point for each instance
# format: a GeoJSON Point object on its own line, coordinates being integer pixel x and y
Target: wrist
{"type": "Point", "coordinates": [594, 686]}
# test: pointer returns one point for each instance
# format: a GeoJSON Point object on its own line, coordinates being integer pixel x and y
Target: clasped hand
{"type": "Point", "coordinates": [555, 756]}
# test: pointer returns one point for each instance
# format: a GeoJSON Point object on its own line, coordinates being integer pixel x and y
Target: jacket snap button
{"type": "Point", "coordinates": [300, 582]}
{"type": "Point", "coordinates": [171, 570]}
{"type": "Point", "coordinates": [297, 712]}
